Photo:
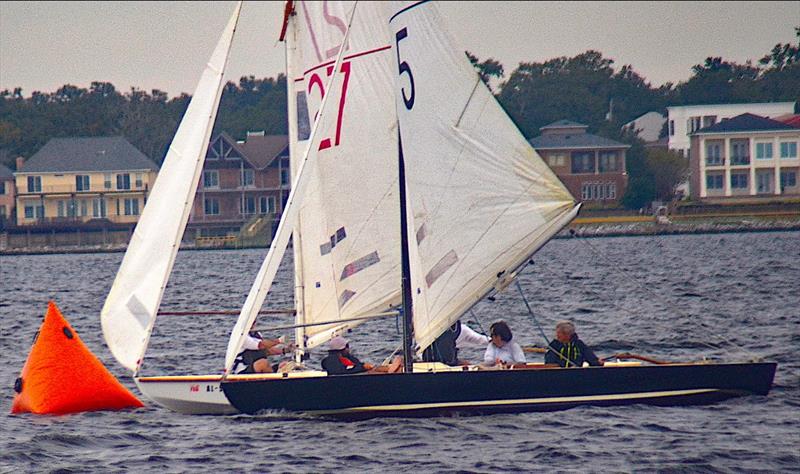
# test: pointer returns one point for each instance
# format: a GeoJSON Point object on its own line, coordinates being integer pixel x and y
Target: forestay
{"type": "Point", "coordinates": [349, 257]}
{"type": "Point", "coordinates": [131, 306]}
{"type": "Point", "coordinates": [481, 199]}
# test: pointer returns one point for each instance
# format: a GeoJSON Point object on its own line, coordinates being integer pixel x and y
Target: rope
{"type": "Point", "coordinates": [663, 300]}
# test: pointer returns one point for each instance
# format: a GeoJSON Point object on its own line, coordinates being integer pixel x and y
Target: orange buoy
{"type": "Point", "coordinates": [62, 375]}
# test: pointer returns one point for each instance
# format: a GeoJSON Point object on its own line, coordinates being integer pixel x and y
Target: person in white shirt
{"type": "Point", "coordinates": [502, 350]}
{"type": "Point", "coordinates": [255, 350]}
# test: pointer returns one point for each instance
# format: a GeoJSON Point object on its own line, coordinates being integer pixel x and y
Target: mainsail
{"type": "Point", "coordinates": [481, 200]}
{"type": "Point", "coordinates": [346, 256]}
{"type": "Point", "coordinates": [349, 258]}
{"type": "Point", "coordinates": [131, 306]}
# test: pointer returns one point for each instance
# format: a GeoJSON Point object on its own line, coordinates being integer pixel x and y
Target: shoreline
{"type": "Point", "coordinates": [610, 229]}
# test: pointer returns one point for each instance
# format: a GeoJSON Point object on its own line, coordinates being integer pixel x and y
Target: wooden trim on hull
{"type": "Point", "coordinates": [430, 394]}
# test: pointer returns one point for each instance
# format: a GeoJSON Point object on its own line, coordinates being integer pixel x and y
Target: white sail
{"type": "Point", "coordinates": [344, 195]}
{"type": "Point", "coordinates": [481, 200]}
{"type": "Point", "coordinates": [131, 306]}
{"type": "Point", "coordinates": [349, 220]}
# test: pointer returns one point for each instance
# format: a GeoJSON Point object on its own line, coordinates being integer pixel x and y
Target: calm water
{"type": "Point", "coordinates": [677, 297]}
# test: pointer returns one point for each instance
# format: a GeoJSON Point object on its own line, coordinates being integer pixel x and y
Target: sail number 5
{"type": "Point", "coordinates": [404, 68]}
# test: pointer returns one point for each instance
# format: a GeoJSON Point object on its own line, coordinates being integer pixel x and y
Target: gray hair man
{"type": "Point", "coordinates": [567, 350]}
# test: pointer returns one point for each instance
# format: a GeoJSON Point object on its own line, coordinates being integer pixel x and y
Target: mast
{"type": "Point", "coordinates": [408, 311]}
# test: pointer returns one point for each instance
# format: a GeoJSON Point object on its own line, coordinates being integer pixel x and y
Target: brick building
{"type": "Point", "coordinates": [241, 181]}
{"type": "Point", "coordinates": [590, 166]}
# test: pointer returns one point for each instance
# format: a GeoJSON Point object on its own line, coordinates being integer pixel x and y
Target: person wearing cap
{"type": "Point", "coordinates": [340, 361]}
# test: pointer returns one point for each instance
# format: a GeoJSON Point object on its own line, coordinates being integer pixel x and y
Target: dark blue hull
{"type": "Point", "coordinates": [501, 391]}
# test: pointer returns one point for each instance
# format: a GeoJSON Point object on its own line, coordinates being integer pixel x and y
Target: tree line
{"type": "Point", "coordinates": [586, 88]}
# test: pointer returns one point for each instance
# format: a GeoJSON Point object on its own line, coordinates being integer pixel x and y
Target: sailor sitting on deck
{"type": "Point", "coordinates": [340, 361]}
{"type": "Point", "coordinates": [502, 351]}
{"type": "Point", "coordinates": [255, 352]}
{"type": "Point", "coordinates": [445, 348]}
{"type": "Point", "coordinates": [567, 350]}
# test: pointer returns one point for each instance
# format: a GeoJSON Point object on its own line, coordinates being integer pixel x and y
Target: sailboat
{"type": "Point", "coordinates": [413, 192]}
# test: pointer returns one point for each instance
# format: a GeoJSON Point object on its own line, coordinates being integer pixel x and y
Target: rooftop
{"type": "Point", "coordinates": [563, 124]}
{"type": "Point", "coordinates": [60, 155]}
{"type": "Point", "coordinates": [6, 173]}
{"type": "Point", "coordinates": [746, 123]}
{"type": "Point", "coordinates": [567, 134]}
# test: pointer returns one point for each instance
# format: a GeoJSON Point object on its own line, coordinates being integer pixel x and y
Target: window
{"type": "Point", "coordinates": [709, 120]}
{"type": "Point", "coordinates": [692, 125]}
{"type": "Point", "coordinates": [2, 212]}
{"type": "Point", "coordinates": [788, 149]}
{"type": "Point", "coordinates": [267, 205]}
{"type": "Point", "coordinates": [2, 187]}
{"type": "Point", "coordinates": [788, 179]}
{"type": "Point", "coordinates": [671, 128]}
{"type": "Point", "coordinates": [284, 177]}
{"type": "Point", "coordinates": [557, 159]}
{"type": "Point", "coordinates": [34, 212]}
{"type": "Point", "coordinates": [211, 207]}
{"type": "Point", "coordinates": [739, 181]}
{"type": "Point", "coordinates": [586, 191]}
{"type": "Point", "coordinates": [582, 162]}
{"type": "Point", "coordinates": [609, 161]}
{"type": "Point", "coordinates": [210, 179]}
{"type": "Point", "coordinates": [61, 207]}
{"type": "Point", "coordinates": [247, 178]}
{"type": "Point", "coordinates": [131, 206]}
{"type": "Point", "coordinates": [34, 184]}
{"type": "Point", "coordinates": [124, 182]}
{"type": "Point", "coordinates": [740, 152]}
{"type": "Point", "coordinates": [714, 153]}
{"type": "Point", "coordinates": [248, 205]}
{"type": "Point", "coordinates": [763, 151]}
{"type": "Point", "coordinates": [98, 207]}
{"type": "Point", "coordinates": [714, 181]}
{"type": "Point", "coordinates": [139, 181]}
{"type": "Point", "coordinates": [84, 208]}
{"type": "Point", "coordinates": [82, 182]}
{"type": "Point", "coordinates": [764, 180]}
{"type": "Point", "coordinates": [107, 181]}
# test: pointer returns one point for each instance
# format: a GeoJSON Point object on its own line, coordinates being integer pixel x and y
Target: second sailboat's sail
{"type": "Point", "coordinates": [481, 200]}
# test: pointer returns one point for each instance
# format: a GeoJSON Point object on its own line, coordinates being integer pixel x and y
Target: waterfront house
{"type": "Point", "coordinates": [590, 166]}
{"type": "Point", "coordinates": [75, 180]}
{"type": "Point", "coordinates": [7, 195]}
{"type": "Point", "coordinates": [242, 181]}
{"type": "Point", "coordinates": [684, 120]}
{"type": "Point", "coordinates": [747, 156]}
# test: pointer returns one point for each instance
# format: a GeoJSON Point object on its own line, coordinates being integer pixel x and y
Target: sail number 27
{"type": "Point", "coordinates": [404, 68]}
{"type": "Point", "coordinates": [316, 80]}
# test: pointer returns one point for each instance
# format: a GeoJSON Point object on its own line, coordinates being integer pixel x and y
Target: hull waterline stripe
{"type": "Point", "coordinates": [522, 401]}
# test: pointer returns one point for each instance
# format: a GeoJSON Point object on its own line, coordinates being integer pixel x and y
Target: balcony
{"type": "Point", "coordinates": [710, 162]}
{"type": "Point", "coordinates": [72, 189]}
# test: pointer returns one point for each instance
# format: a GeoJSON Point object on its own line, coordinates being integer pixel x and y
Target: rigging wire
{"type": "Point", "coordinates": [548, 347]}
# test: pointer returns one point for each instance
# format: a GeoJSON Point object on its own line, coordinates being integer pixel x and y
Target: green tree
{"type": "Point", "coordinates": [668, 169]}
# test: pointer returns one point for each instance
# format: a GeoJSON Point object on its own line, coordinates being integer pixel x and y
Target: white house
{"type": "Point", "coordinates": [648, 126]}
{"type": "Point", "coordinates": [687, 119]}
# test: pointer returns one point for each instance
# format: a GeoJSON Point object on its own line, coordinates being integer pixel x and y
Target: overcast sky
{"type": "Point", "coordinates": [165, 45]}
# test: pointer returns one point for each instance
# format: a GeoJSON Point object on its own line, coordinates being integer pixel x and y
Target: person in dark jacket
{"type": "Point", "coordinates": [567, 350]}
{"type": "Point", "coordinates": [340, 361]}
